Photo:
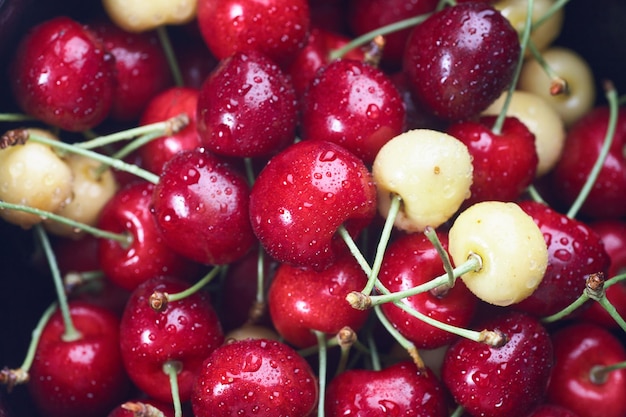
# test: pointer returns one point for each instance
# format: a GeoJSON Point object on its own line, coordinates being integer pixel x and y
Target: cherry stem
{"type": "Point", "coordinates": [323, 366]}
{"type": "Point", "coordinates": [120, 237]}
{"type": "Point", "coordinates": [382, 31]}
{"type": "Point", "coordinates": [12, 377]}
{"type": "Point", "coordinates": [167, 127]}
{"type": "Point", "coordinates": [16, 117]}
{"type": "Point", "coordinates": [431, 234]}
{"type": "Point", "coordinates": [158, 301]}
{"type": "Point", "coordinates": [373, 348]}
{"type": "Point", "coordinates": [402, 341]}
{"type": "Point", "coordinates": [556, 6]}
{"type": "Point", "coordinates": [107, 160]}
{"type": "Point", "coordinates": [599, 374]}
{"type": "Point", "coordinates": [458, 411]}
{"type": "Point", "coordinates": [166, 44]}
{"type": "Point", "coordinates": [535, 196]}
{"type": "Point", "coordinates": [71, 333]}
{"type": "Point", "coordinates": [172, 368]}
{"type": "Point", "coordinates": [558, 84]}
{"type": "Point", "coordinates": [497, 127]}
{"type": "Point", "coordinates": [74, 280]}
{"type": "Point", "coordinates": [257, 309]}
{"type": "Point", "coordinates": [249, 171]}
{"type": "Point", "coordinates": [140, 409]}
{"type": "Point", "coordinates": [611, 96]}
{"type": "Point", "coordinates": [354, 250]}
{"type": "Point", "coordinates": [346, 338]}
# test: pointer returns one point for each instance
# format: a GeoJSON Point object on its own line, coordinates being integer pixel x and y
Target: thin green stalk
{"type": "Point", "coordinates": [373, 348]}
{"type": "Point", "coordinates": [354, 250]}
{"type": "Point", "coordinates": [556, 6]}
{"type": "Point", "coordinates": [534, 194]}
{"type": "Point", "coordinates": [195, 287]}
{"type": "Point", "coordinates": [172, 369]}
{"type": "Point", "coordinates": [36, 335]}
{"type": "Point", "coordinates": [16, 117]}
{"type": "Point", "coordinates": [166, 44]}
{"type": "Point", "coordinates": [322, 370]}
{"type": "Point", "coordinates": [71, 333]}
{"type": "Point", "coordinates": [399, 337]}
{"type": "Point", "coordinates": [431, 234]}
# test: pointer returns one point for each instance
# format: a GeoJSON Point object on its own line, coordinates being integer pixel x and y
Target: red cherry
{"type": "Point", "coordinates": [551, 410]}
{"type": "Point", "coordinates": [584, 140]}
{"type": "Point", "coordinates": [246, 107]}
{"type": "Point", "coordinates": [353, 104]}
{"type": "Point", "coordinates": [163, 106]}
{"type": "Point", "coordinates": [460, 59]}
{"type": "Point", "coordinates": [574, 251]}
{"type": "Point", "coordinates": [412, 260]}
{"type": "Point", "coordinates": [127, 409]}
{"type": "Point", "coordinates": [147, 255]}
{"type": "Point", "coordinates": [255, 376]}
{"type": "Point", "coordinates": [400, 389]}
{"type": "Point", "coordinates": [303, 195]}
{"type": "Point", "coordinates": [501, 381]}
{"type": "Point", "coordinates": [277, 28]}
{"type": "Point", "coordinates": [83, 376]}
{"type": "Point", "coordinates": [185, 333]}
{"type": "Point", "coordinates": [504, 163]}
{"type": "Point", "coordinates": [62, 75]}
{"type": "Point", "coordinates": [201, 207]}
{"type": "Point", "coordinates": [141, 69]}
{"type": "Point", "coordinates": [301, 300]}
{"type": "Point", "coordinates": [578, 350]}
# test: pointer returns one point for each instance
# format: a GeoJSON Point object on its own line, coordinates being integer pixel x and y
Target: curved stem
{"type": "Point", "coordinates": [431, 234]}
{"type": "Point", "coordinates": [36, 335]}
{"type": "Point", "coordinates": [71, 333]}
{"type": "Point", "coordinates": [354, 250]}
{"type": "Point", "coordinates": [172, 369]}
{"type": "Point", "coordinates": [166, 44]}
{"type": "Point", "coordinates": [611, 96]}
{"type": "Point", "coordinates": [195, 287]}
{"type": "Point", "coordinates": [402, 341]}
{"type": "Point", "coordinates": [323, 367]}
{"type": "Point", "coordinates": [373, 348]}
{"type": "Point", "coordinates": [600, 374]}
{"type": "Point", "coordinates": [16, 117]}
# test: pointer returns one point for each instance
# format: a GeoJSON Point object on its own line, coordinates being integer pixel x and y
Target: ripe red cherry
{"type": "Point", "coordinates": [184, 333]}
{"type": "Point", "coordinates": [400, 389]}
{"type": "Point", "coordinates": [578, 349]}
{"type": "Point", "coordinates": [353, 104]}
{"type": "Point", "coordinates": [277, 28]}
{"type": "Point", "coordinates": [501, 381]}
{"type": "Point", "coordinates": [62, 75]}
{"type": "Point", "coordinates": [147, 255]}
{"type": "Point", "coordinates": [169, 103]}
{"type": "Point", "coordinates": [303, 195]}
{"type": "Point", "coordinates": [584, 140]}
{"type": "Point", "coordinates": [412, 260]}
{"type": "Point", "coordinates": [255, 376]}
{"type": "Point", "coordinates": [201, 207]}
{"type": "Point", "coordinates": [551, 410]}
{"type": "Point", "coordinates": [301, 300]}
{"type": "Point", "coordinates": [246, 107]}
{"type": "Point", "coordinates": [123, 410]}
{"type": "Point", "coordinates": [83, 376]}
{"type": "Point", "coordinates": [574, 251]}
{"type": "Point", "coordinates": [504, 164]}
{"type": "Point", "coordinates": [460, 59]}
{"type": "Point", "coordinates": [141, 69]}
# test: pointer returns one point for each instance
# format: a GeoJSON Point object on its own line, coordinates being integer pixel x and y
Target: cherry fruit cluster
{"type": "Point", "coordinates": [294, 208]}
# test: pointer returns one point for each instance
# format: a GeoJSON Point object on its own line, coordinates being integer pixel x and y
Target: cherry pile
{"type": "Point", "coordinates": [302, 208]}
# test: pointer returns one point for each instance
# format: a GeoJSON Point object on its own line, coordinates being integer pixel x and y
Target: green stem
{"type": "Point", "coordinates": [124, 239]}
{"type": "Point", "coordinates": [166, 44]}
{"type": "Point", "coordinates": [373, 348]}
{"type": "Point", "coordinates": [567, 310]}
{"type": "Point", "coordinates": [431, 234]}
{"type": "Point", "coordinates": [611, 96]}
{"type": "Point", "coordinates": [249, 171]}
{"type": "Point", "coordinates": [112, 162]}
{"type": "Point", "coordinates": [195, 287]}
{"type": "Point", "coordinates": [402, 341]}
{"type": "Point", "coordinates": [385, 30]}
{"type": "Point", "coordinates": [458, 411]}
{"type": "Point", "coordinates": [172, 369]}
{"type": "Point", "coordinates": [599, 374]}
{"type": "Point", "coordinates": [354, 250]}
{"type": "Point", "coordinates": [323, 366]}
{"type": "Point", "coordinates": [71, 333]}
{"type": "Point", "coordinates": [16, 117]}
{"type": "Point", "coordinates": [556, 6]}
{"type": "Point", "coordinates": [535, 196]}
{"type": "Point", "coordinates": [610, 308]}
{"type": "Point", "coordinates": [36, 335]}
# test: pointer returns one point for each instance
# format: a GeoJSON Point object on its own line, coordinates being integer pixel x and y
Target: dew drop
{"type": "Point", "coordinates": [389, 408]}
{"type": "Point", "coordinates": [562, 255]}
{"type": "Point", "coordinates": [328, 156]}
{"type": "Point", "coordinates": [373, 111]}
{"type": "Point", "coordinates": [223, 132]}
{"type": "Point", "coordinates": [243, 90]}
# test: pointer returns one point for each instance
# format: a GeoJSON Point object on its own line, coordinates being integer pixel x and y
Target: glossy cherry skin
{"type": "Point", "coordinates": [400, 389]}
{"type": "Point", "coordinates": [301, 300]}
{"type": "Point", "coordinates": [353, 104]}
{"type": "Point", "coordinates": [412, 260]}
{"type": "Point", "coordinates": [246, 107]}
{"type": "Point", "coordinates": [201, 207]}
{"type": "Point", "coordinates": [504, 164]}
{"type": "Point", "coordinates": [141, 68]}
{"type": "Point", "coordinates": [574, 251]}
{"type": "Point", "coordinates": [185, 332]}
{"type": "Point", "coordinates": [166, 104]}
{"type": "Point", "coordinates": [613, 236]}
{"type": "Point", "coordinates": [62, 75]}
{"type": "Point", "coordinates": [80, 377]}
{"type": "Point", "coordinates": [584, 140]}
{"type": "Point", "coordinates": [147, 255]}
{"type": "Point", "coordinates": [367, 15]}
{"type": "Point", "coordinates": [120, 411]}
{"type": "Point", "coordinates": [551, 410]}
{"type": "Point", "coordinates": [255, 376]}
{"type": "Point", "coordinates": [460, 59]}
{"type": "Point", "coordinates": [277, 28]}
{"type": "Point", "coordinates": [507, 381]}
{"type": "Point", "coordinates": [316, 54]}
{"type": "Point", "coordinates": [303, 195]}
{"type": "Point", "coordinates": [578, 348]}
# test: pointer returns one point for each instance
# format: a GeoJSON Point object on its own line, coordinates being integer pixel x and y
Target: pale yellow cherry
{"type": "Point", "coordinates": [566, 63]}
{"type": "Point", "coordinates": [542, 120]}
{"type": "Point", "coordinates": [142, 15]}
{"type": "Point", "coordinates": [33, 175]}
{"type": "Point", "coordinates": [429, 170]}
{"type": "Point", "coordinates": [510, 245]}
{"type": "Point", "coordinates": [542, 36]}
{"type": "Point", "coordinates": [91, 190]}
